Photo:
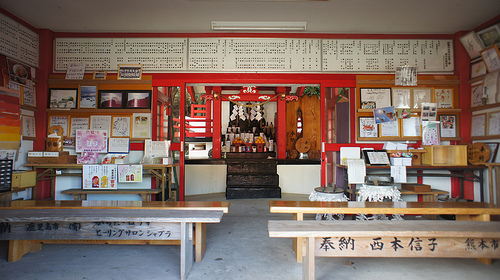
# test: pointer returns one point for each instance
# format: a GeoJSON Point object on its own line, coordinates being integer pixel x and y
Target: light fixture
{"type": "Point", "coordinates": [259, 25]}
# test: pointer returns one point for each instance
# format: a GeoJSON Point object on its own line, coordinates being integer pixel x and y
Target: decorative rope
{"type": "Point", "coordinates": [249, 105]}
{"type": "Point", "coordinates": [378, 194]}
{"type": "Point", "coordinates": [317, 196]}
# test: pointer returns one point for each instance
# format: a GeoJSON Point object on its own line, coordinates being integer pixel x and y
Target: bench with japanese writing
{"type": "Point", "coordinates": [23, 225]}
{"type": "Point", "coordinates": [464, 211]}
{"type": "Point", "coordinates": [200, 236]}
{"type": "Point", "coordinates": [396, 239]}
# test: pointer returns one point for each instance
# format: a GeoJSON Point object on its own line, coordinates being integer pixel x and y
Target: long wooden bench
{"type": "Point", "coordinates": [464, 211]}
{"type": "Point", "coordinates": [146, 224]}
{"type": "Point", "coordinates": [200, 232]}
{"type": "Point", "coordinates": [81, 194]}
{"type": "Point", "coordinates": [397, 239]}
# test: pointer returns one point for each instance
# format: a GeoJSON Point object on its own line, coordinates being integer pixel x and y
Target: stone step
{"type": "Point", "coordinates": [252, 180]}
{"type": "Point", "coordinates": [236, 192]}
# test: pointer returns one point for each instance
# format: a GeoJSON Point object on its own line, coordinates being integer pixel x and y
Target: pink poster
{"type": "Point", "coordinates": [92, 141]}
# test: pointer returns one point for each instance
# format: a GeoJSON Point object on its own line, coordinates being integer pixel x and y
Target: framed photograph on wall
{"type": "Point", "coordinates": [494, 123]}
{"type": "Point", "coordinates": [477, 69]}
{"type": "Point", "coordinates": [472, 44]}
{"type": "Point", "coordinates": [493, 150]}
{"type": "Point", "coordinates": [88, 97]}
{"type": "Point", "coordinates": [100, 75]}
{"type": "Point", "coordinates": [478, 125]}
{"type": "Point", "coordinates": [367, 127]}
{"type": "Point", "coordinates": [491, 57]}
{"type": "Point", "coordinates": [381, 97]}
{"type": "Point", "coordinates": [110, 99]}
{"type": "Point", "coordinates": [448, 125]}
{"type": "Point", "coordinates": [63, 98]}
{"type": "Point", "coordinates": [138, 99]}
{"type": "Point", "coordinates": [130, 72]}
{"type": "Point", "coordinates": [489, 36]}
{"type": "Point", "coordinates": [29, 96]}
{"type": "Point", "coordinates": [419, 96]}
{"type": "Point", "coordinates": [478, 97]}
{"type": "Point", "coordinates": [443, 97]}
{"type": "Point", "coordinates": [401, 97]}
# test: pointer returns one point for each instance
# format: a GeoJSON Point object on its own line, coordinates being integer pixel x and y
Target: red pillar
{"type": "Point", "coordinates": [216, 152]}
{"type": "Point", "coordinates": [281, 124]}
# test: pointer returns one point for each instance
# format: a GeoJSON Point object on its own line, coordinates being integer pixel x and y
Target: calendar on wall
{"type": "Point", "coordinates": [256, 54]}
{"type": "Point", "coordinates": [18, 41]}
{"type": "Point", "coordinates": [236, 54]}
{"type": "Point", "coordinates": [154, 54]}
{"type": "Point", "coordinates": [360, 55]}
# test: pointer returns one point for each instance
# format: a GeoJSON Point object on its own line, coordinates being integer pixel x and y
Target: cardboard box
{"type": "Point", "coordinates": [416, 187]}
{"type": "Point", "coordinates": [23, 179]}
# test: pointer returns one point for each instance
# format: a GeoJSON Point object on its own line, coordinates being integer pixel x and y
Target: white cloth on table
{"type": "Point", "coordinates": [321, 196]}
{"type": "Point", "coordinates": [378, 194]}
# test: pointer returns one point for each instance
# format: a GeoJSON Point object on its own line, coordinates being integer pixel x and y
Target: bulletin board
{"type": "Point", "coordinates": [256, 54]}
{"type": "Point", "coordinates": [18, 41]}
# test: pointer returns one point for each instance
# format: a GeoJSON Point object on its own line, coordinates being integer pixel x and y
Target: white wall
{"type": "Point", "coordinates": [299, 179]}
{"type": "Point", "coordinates": [205, 178]}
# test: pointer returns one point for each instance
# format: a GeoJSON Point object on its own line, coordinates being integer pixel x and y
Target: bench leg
{"type": "Point", "coordinates": [429, 198]}
{"type": "Point", "coordinates": [200, 241]}
{"type": "Point", "coordinates": [298, 243]}
{"type": "Point", "coordinates": [186, 250]}
{"type": "Point", "coordinates": [308, 263]}
{"type": "Point", "coordinates": [18, 248]}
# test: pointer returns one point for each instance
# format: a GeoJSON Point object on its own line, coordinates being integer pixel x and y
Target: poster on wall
{"type": "Point", "coordinates": [20, 73]}
{"type": "Point", "coordinates": [102, 176]}
{"type": "Point", "coordinates": [129, 173]}
{"type": "Point", "coordinates": [91, 141]}
{"type": "Point", "coordinates": [430, 134]}
{"type": "Point", "coordinates": [141, 127]}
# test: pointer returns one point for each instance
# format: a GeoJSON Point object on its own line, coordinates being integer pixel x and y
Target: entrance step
{"type": "Point", "coordinates": [238, 192]}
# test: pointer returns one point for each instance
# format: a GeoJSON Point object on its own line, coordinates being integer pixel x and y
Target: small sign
{"type": "Point", "coordinates": [76, 71]}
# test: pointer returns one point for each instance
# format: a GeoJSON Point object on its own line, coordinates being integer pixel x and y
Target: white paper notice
{"type": "Point", "coordinates": [398, 173]}
{"type": "Point", "coordinates": [356, 171]}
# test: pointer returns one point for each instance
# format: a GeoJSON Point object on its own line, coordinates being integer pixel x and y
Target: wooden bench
{"type": "Point", "coordinates": [81, 194]}
{"type": "Point", "coordinates": [397, 239]}
{"type": "Point", "coordinates": [200, 232]}
{"type": "Point", "coordinates": [464, 211]}
{"type": "Point", "coordinates": [21, 225]}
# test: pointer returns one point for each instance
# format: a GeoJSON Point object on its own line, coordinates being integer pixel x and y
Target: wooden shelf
{"type": "Point", "coordinates": [97, 111]}
{"type": "Point", "coordinates": [484, 107]}
{"type": "Point", "coordinates": [439, 110]}
{"type": "Point", "coordinates": [101, 82]}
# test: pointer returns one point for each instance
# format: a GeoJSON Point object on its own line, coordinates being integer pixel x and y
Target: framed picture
{"type": "Point", "coordinates": [110, 99]}
{"type": "Point", "coordinates": [493, 150]}
{"type": "Point", "coordinates": [58, 125]}
{"type": "Point", "coordinates": [401, 97]}
{"type": "Point", "coordinates": [478, 125]}
{"type": "Point", "coordinates": [489, 36]}
{"type": "Point", "coordinates": [28, 127]}
{"type": "Point", "coordinates": [100, 75]}
{"type": "Point", "coordinates": [421, 95]}
{"type": "Point", "coordinates": [494, 123]}
{"type": "Point", "coordinates": [367, 127]}
{"type": "Point", "coordinates": [63, 98]}
{"type": "Point", "coordinates": [120, 126]}
{"type": "Point", "coordinates": [448, 125]}
{"type": "Point", "coordinates": [478, 97]}
{"type": "Point", "coordinates": [376, 157]}
{"type": "Point", "coordinates": [29, 96]}
{"type": "Point", "coordinates": [129, 173]}
{"type": "Point", "coordinates": [443, 97]}
{"type": "Point", "coordinates": [138, 99]}
{"type": "Point", "coordinates": [472, 44]}
{"type": "Point", "coordinates": [381, 97]}
{"type": "Point", "coordinates": [130, 71]}
{"type": "Point", "coordinates": [88, 97]}
{"type": "Point", "coordinates": [491, 57]}
{"type": "Point", "coordinates": [477, 69]}
{"type": "Point", "coordinates": [20, 73]}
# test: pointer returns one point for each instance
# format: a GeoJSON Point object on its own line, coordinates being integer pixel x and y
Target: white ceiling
{"type": "Point", "coordinates": [187, 16]}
